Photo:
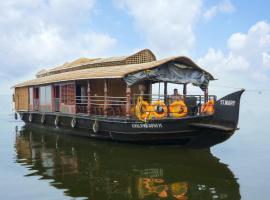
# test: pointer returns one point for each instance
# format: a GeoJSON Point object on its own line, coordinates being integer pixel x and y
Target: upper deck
{"type": "Point", "coordinates": [117, 86]}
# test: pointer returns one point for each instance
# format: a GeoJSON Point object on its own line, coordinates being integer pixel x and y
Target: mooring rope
{"type": "Point", "coordinates": [259, 91]}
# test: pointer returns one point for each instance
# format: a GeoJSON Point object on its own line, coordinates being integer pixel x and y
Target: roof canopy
{"type": "Point", "coordinates": [172, 72]}
{"type": "Point", "coordinates": [175, 70]}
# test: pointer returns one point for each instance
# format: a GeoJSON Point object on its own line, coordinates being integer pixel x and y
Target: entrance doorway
{"type": "Point", "coordinates": [56, 91]}
{"type": "Point", "coordinates": [36, 99]}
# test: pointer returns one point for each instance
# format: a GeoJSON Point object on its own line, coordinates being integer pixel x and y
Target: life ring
{"type": "Point", "coordinates": [42, 120]}
{"type": "Point", "coordinates": [95, 126]}
{"type": "Point", "coordinates": [156, 112]}
{"type": "Point", "coordinates": [56, 121]}
{"type": "Point", "coordinates": [73, 122]}
{"type": "Point", "coordinates": [208, 107]}
{"type": "Point", "coordinates": [142, 109]}
{"type": "Point", "coordinates": [30, 118]}
{"type": "Point", "coordinates": [178, 109]}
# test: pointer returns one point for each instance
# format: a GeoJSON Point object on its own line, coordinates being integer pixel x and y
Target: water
{"type": "Point", "coordinates": [40, 164]}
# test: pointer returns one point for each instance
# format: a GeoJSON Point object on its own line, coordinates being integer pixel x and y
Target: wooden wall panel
{"type": "Point", "coordinates": [21, 99]}
{"type": "Point", "coordinates": [116, 88]}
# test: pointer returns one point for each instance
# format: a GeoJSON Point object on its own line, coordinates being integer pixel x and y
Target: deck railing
{"type": "Point", "coordinates": [151, 98]}
{"type": "Point", "coordinates": [116, 106]}
{"type": "Point", "coordinates": [99, 105]}
{"type": "Point", "coordinates": [194, 103]}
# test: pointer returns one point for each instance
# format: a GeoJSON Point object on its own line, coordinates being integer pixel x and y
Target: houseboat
{"type": "Point", "coordinates": [113, 99]}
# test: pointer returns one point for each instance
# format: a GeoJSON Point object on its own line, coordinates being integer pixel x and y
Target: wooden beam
{"type": "Point", "coordinates": [88, 98]}
{"type": "Point", "coordinates": [52, 97]}
{"type": "Point", "coordinates": [165, 92]}
{"type": "Point", "coordinates": [105, 97]}
{"type": "Point", "coordinates": [184, 90]}
{"type": "Point", "coordinates": [128, 104]}
{"type": "Point", "coordinates": [206, 95]}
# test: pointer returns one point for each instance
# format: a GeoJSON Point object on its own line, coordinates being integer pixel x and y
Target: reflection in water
{"type": "Point", "coordinates": [101, 170]}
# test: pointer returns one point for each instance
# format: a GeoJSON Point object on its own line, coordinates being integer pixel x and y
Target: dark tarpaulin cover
{"type": "Point", "coordinates": [171, 72]}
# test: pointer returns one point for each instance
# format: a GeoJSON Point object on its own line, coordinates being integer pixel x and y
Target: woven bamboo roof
{"type": "Point", "coordinates": [142, 56]}
{"type": "Point", "coordinates": [108, 72]}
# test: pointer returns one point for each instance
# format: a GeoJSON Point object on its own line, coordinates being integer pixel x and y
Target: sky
{"type": "Point", "coordinates": [229, 38]}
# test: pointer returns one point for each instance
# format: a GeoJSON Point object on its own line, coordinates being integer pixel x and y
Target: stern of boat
{"type": "Point", "coordinates": [227, 109]}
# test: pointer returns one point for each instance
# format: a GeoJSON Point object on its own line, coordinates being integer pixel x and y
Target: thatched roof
{"type": "Point", "coordinates": [84, 63]}
{"type": "Point", "coordinates": [109, 72]}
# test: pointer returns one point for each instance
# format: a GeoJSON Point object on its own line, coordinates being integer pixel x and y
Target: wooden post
{"type": "Point", "coordinates": [128, 104]}
{"type": "Point", "coordinates": [165, 92]}
{"type": "Point", "coordinates": [184, 90]}
{"type": "Point", "coordinates": [52, 97]}
{"type": "Point", "coordinates": [105, 97]}
{"type": "Point", "coordinates": [206, 95]}
{"type": "Point", "coordinates": [88, 98]}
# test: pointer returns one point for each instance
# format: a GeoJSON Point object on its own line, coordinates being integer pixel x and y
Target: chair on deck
{"type": "Point", "coordinates": [192, 106]}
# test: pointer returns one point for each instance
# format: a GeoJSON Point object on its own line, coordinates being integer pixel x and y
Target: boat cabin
{"type": "Point", "coordinates": [116, 87]}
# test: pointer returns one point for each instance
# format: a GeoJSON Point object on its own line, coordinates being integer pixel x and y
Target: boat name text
{"type": "Point", "coordinates": [146, 126]}
{"type": "Point", "coordinates": [227, 102]}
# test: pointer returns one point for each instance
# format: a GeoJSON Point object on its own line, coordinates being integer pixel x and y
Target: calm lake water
{"type": "Point", "coordinates": [41, 164]}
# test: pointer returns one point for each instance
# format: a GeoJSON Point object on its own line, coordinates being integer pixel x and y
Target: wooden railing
{"type": "Point", "coordinates": [193, 102]}
{"type": "Point", "coordinates": [117, 106]}
{"type": "Point", "coordinates": [101, 105]}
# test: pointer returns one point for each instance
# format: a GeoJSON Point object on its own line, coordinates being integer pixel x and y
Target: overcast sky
{"type": "Point", "coordinates": [229, 38]}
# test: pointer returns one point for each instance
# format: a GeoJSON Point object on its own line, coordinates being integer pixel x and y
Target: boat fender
{"type": "Point", "coordinates": [56, 121]}
{"type": "Point", "coordinates": [42, 120]}
{"type": "Point", "coordinates": [178, 109]}
{"type": "Point", "coordinates": [73, 122]}
{"type": "Point", "coordinates": [30, 118]}
{"type": "Point", "coordinates": [96, 126]}
{"type": "Point", "coordinates": [16, 116]}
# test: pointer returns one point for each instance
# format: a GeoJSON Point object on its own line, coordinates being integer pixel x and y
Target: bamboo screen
{"type": "Point", "coordinates": [141, 57]}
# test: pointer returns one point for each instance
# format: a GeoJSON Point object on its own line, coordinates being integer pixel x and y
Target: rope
{"type": "Point", "coordinates": [259, 91]}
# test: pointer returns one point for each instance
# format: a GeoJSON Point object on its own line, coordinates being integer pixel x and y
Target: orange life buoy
{"type": "Point", "coordinates": [208, 107]}
{"type": "Point", "coordinates": [178, 109]}
{"type": "Point", "coordinates": [142, 109]}
{"type": "Point", "coordinates": [156, 113]}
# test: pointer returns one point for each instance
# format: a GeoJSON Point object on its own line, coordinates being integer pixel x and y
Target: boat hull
{"type": "Point", "coordinates": [168, 132]}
